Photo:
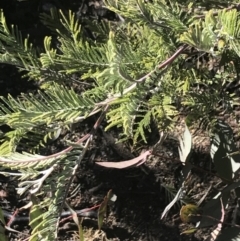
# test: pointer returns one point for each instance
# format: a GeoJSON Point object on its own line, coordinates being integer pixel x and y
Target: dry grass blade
{"type": "Point", "coordinates": [137, 161]}
{"type": "Point", "coordinates": [185, 145]}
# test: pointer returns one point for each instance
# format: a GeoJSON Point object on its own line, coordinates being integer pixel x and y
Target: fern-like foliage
{"type": "Point", "coordinates": [55, 108]}
{"type": "Point", "coordinates": [47, 167]}
{"type": "Point", "coordinates": [135, 71]}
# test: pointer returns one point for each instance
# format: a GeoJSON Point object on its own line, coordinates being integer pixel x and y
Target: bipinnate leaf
{"type": "Point", "coordinates": [35, 217]}
{"type": "Point", "coordinates": [137, 161]}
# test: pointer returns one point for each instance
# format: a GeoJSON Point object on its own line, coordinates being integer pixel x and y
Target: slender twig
{"type": "Point", "coordinates": [85, 210]}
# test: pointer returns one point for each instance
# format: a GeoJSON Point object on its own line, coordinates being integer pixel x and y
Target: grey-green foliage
{"type": "Point", "coordinates": [120, 68]}
{"type": "Point", "coordinates": [116, 65]}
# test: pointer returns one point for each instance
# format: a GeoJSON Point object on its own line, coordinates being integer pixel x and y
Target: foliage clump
{"type": "Point", "coordinates": [160, 61]}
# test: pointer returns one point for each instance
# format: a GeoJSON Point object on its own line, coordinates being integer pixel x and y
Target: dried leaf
{"type": "Point", "coordinates": [189, 231]}
{"type": "Point", "coordinates": [102, 211]}
{"type": "Point", "coordinates": [3, 194]}
{"type": "Point", "coordinates": [185, 145]}
{"type": "Point", "coordinates": [74, 215]}
{"type": "Point", "coordinates": [171, 204]}
{"type": "Point", "coordinates": [137, 161]}
{"type": "Point", "coordinates": [184, 152]}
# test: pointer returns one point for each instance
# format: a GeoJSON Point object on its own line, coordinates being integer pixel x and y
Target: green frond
{"type": "Point", "coordinates": [36, 170]}
{"type": "Point", "coordinates": [164, 110]}
{"type": "Point", "coordinates": [235, 45]}
{"type": "Point", "coordinates": [58, 23]}
{"type": "Point", "coordinates": [17, 51]}
{"type": "Point", "coordinates": [135, 71]}
{"type": "Point", "coordinates": [135, 116]}
{"type": "Point", "coordinates": [10, 141]}
{"type": "Point", "coordinates": [155, 14]}
{"type": "Point", "coordinates": [22, 161]}
{"type": "Point", "coordinates": [125, 114]}
{"type": "Point", "coordinates": [56, 104]}
{"type": "Point", "coordinates": [143, 125]}
{"type": "Point", "coordinates": [57, 184]}
{"type": "Point", "coordinates": [201, 100]}
{"type": "Point", "coordinates": [82, 56]}
{"type": "Point", "coordinates": [200, 37]}
{"type": "Point", "coordinates": [99, 30]}
{"type": "Point", "coordinates": [206, 34]}
{"type": "Point", "coordinates": [49, 110]}
{"type": "Point", "coordinates": [229, 23]}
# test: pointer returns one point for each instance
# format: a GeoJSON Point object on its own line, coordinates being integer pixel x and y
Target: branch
{"type": "Point", "coordinates": [142, 79]}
